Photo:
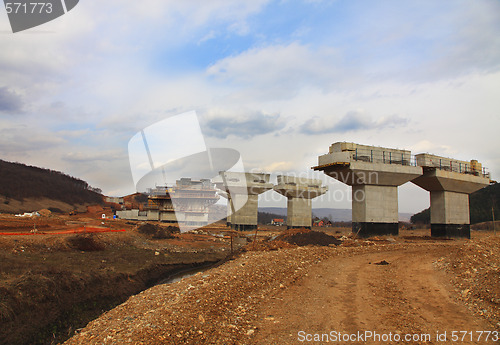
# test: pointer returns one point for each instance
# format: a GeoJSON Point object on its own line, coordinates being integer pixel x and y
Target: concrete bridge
{"type": "Point", "coordinates": [375, 173]}
{"type": "Point", "coordinates": [242, 191]}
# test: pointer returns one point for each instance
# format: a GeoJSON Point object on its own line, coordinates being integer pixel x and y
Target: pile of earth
{"type": "Point", "coordinates": [291, 238]}
{"type": "Point", "coordinates": [304, 237]}
{"type": "Point", "coordinates": [86, 242]}
{"type": "Point", "coordinates": [267, 245]}
{"type": "Point", "coordinates": [158, 232]}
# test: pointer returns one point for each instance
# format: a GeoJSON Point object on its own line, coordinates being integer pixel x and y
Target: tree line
{"type": "Point", "coordinates": [19, 181]}
{"type": "Point", "coordinates": [480, 204]}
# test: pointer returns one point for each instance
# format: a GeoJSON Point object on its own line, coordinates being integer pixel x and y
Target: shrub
{"type": "Point", "coordinates": [86, 243]}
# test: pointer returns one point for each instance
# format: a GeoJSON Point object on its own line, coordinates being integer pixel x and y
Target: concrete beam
{"type": "Point", "coordinates": [435, 179]}
{"type": "Point", "coordinates": [361, 173]}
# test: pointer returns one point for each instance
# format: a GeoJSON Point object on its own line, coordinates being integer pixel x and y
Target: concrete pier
{"type": "Point", "coordinates": [374, 174]}
{"type": "Point", "coordinates": [243, 190]}
{"type": "Point", "coordinates": [450, 182]}
{"type": "Point", "coordinates": [300, 192]}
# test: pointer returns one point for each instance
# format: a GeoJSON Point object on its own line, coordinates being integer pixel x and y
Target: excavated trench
{"type": "Point", "coordinates": [59, 303]}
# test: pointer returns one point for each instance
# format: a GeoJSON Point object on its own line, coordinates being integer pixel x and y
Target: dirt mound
{"type": "Point", "coordinates": [45, 212]}
{"type": "Point", "coordinates": [86, 243]}
{"type": "Point", "coordinates": [94, 209]}
{"type": "Point", "coordinates": [158, 232]}
{"type": "Point", "coordinates": [266, 245]}
{"type": "Point", "coordinates": [304, 237]}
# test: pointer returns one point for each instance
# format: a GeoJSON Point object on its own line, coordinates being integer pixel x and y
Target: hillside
{"type": "Point", "coordinates": [480, 203]}
{"type": "Point", "coordinates": [335, 214]}
{"type": "Point", "coordinates": [27, 188]}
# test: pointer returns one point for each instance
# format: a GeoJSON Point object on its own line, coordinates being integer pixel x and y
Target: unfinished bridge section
{"type": "Point", "coordinates": [374, 174]}
{"type": "Point", "coordinates": [450, 182]}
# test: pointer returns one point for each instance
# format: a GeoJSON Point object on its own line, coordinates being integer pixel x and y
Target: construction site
{"type": "Point", "coordinates": [374, 173]}
{"type": "Point", "coordinates": [104, 273]}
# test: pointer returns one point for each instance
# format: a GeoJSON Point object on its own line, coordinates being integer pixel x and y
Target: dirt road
{"type": "Point", "coordinates": [296, 296]}
{"type": "Point", "coordinates": [347, 295]}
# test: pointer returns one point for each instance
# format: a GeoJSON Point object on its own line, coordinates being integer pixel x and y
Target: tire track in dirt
{"type": "Point", "coordinates": [348, 294]}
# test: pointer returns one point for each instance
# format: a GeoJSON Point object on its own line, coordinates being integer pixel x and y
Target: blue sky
{"type": "Point", "coordinates": [279, 81]}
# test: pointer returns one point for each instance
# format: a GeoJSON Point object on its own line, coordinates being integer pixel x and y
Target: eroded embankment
{"type": "Point", "coordinates": [47, 290]}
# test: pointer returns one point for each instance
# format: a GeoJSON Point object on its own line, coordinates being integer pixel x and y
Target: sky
{"type": "Point", "coordinates": [278, 81]}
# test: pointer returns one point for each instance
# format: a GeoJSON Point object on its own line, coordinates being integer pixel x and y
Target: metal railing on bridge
{"type": "Point", "coordinates": [384, 157]}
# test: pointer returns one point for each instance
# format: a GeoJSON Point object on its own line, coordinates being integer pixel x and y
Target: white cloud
{"type": "Point", "coordinates": [91, 79]}
{"type": "Point", "coordinates": [210, 35]}
{"type": "Point", "coordinates": [352, 121]}
{"type": "Point", "coordinates": [280, 70]}
{"type": "Point", "coordinates": [240, 123]}
{"type": "Point", "coordinates": [21, 140]}
{"type": "Point", "coordinates": [92, 157]}
{"type": "Point", "coordinates": [10, 101]}
{"type": "Point", "coordinates": [280, 167]}
{"type": "Point", "coordinates": [425, 146]}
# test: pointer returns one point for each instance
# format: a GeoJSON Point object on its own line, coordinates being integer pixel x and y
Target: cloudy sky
{"type": "Point", "coordinates": [279, 81]}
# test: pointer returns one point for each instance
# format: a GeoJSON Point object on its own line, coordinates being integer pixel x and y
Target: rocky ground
{"type": "Point", "coordinates": [52, 283]}
{"type": "Point", "coordinates": [474, 271]}
{"type": "Point", "coordinates": [279, 293]}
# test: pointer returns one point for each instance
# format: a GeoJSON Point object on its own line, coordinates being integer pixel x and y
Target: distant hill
{"type": "Point", "coordinates": [27, 188]}
{"type": "Point", "coordinates": [335, 214]}
{"type": "Point", "coordinates": [266, 217]}
{"type": "Point", "coordinates": [480, 203]}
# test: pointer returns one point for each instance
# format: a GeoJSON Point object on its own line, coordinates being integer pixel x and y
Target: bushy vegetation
{"type": "Point", "coordinates": [480, 203]}
{"type": "Point", "coordinates": [86, 243]}
{"type": "Point", "coordinates": [19, 181]}
{"type": "Point", "coordinates": [423, 217]}
{"type": "Point", "coordinates": [265, 218]}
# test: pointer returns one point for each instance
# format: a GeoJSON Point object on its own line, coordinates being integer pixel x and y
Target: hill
{"type": "Point", "coordinates": [27, 188]}
{"type": "Point", "coordinates": [335, 214]}
{"type": "Point", "coordinates": [480, 203]}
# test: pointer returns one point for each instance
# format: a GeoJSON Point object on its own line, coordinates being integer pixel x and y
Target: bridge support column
{"type": "Point", "coordinates": [375, 210]}
{"type": "Point", "coordinates": [247, 216]}
{"type": "Point", "coordinates": [242, 191]}
{"type": "Point", "coordinates": [299, 213]}
{"type": "Point", "coordinates": [450, 182]}
{"type": "Point", "coordinates": [450, 214]}
{"type": "Point", "coordinates": [299, 192]}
